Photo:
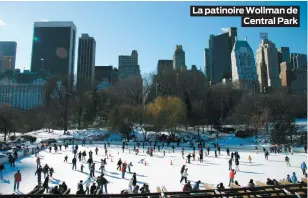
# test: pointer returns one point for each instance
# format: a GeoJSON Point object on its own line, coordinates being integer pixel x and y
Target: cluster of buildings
{"type": "Point", "coordinates": [229, 58]}
{"type": "Point", "coordinates": [226, 58]}
{"type": "Point", "coordinates": [53, 53]}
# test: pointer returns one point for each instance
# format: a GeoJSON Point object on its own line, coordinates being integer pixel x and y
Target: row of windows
{"type": "Point", "coordinates": [24, 101]}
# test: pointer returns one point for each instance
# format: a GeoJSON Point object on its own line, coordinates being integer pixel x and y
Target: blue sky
{"type": "Point", "coordinates": [152, 28]}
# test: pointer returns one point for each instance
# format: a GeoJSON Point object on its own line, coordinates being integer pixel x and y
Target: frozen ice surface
{"type": "Point", "coordinates": [156, 172]}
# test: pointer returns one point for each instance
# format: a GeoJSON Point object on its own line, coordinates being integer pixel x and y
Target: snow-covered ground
{"type": "Point", "coordinates": [156, 172]}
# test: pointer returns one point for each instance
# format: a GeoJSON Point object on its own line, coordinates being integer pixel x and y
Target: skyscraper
{"type": "Point", "coordinates": [268, 66]}
{"type": "Point", "coordinates": [106, 74]}
{"type": "Point", "coordinates": [7, 55]}
{"type": "Point", "coordinates": [53, 49]}
{"type": "Point", "coordinates": [164, 66]}
{"type": "Point", "coordinates": [299, 60]}
{"type": "Point", "coordinates": [283, 55]}
{"type": "Point", "coordinates": [128, 65]}
{"type": "Point", "coordinates": [285, 74]}
{"type": "Point", "coordinates": [243, 65]}
{"type": "Point", "coordinates": [86, 63]}
{"type": "Point", "coordinates": [218, 56]}
{"type": "Point", "coordinates": [179, 59]}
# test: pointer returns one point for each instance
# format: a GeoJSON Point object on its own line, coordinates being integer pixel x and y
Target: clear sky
{"type": "Point", "coordinates": [152, 28]}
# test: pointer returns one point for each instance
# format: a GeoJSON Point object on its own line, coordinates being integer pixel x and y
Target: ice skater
{"type": "Point", "coordinates": [182, 153]}
{"type": "Point", "coordinates": [237, 163]}
{"type": "Point", "coordinates": [287, 160]}
{"type": "Point", "coordinates": [17, 180]}
{"type": "Point", "coordinates": [230, 164]}
{"type": "Point", "coordinates": [2, 168]}
{"type": "Point", "coordinates": [249, 158]}
{"type": "Point", "coordinates": [129, 166]}
{"type": "Point", "coordinates": [266, 153]}
{"type": "Point", "coordinates": [45, 184]}
{"type": "Point", "coordinates": [74, 162]}
{"type": "Point", "coordinates": [38, 172]}
{"type": "Point", "coordinates": [38, 162]}
{"type": "Point", "coordinates": [119, 164]}
{"type": "Point", "coordinates": [51, 171]}
{"type": "Point", "coordinates": [184, 176]}
{"type": "Point", "coordinates": [232, 175]}
{"type": "Point", "coordinates": [303, 167]}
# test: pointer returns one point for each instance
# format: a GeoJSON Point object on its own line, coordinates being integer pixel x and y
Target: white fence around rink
{"type": "Point", "coordinates": [27, 152]}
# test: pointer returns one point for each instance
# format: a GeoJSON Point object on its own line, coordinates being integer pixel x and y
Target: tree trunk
{"type": "Point", "coordinates": [5, 134]}
{"type": "Point", "coordinates": [79, 117]}
{"type": "Point", "coordinates": [65, 114]}
{"type": "Point", "coordinates": [144, 136]}
{"type": "Point", "coordinates": [198, 134]}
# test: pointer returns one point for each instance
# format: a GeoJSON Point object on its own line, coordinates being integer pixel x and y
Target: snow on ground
{"type": "Point", "coordinates": [156, 172]}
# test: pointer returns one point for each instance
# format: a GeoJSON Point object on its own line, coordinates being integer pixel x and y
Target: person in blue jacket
{"type": "Point", "coordinates": [294, 178]}
{"type": "Point", "coordinates": [196, 186]}
{"type": "Point", "coordinates": [304, 168]}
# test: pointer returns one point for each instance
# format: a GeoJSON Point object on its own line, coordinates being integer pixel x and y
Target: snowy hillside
{"type": "Point", "coordinates": [190, 134]}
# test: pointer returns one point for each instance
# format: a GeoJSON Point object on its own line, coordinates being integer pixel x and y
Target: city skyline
{"type": "Point", "coordinates": [154, 38]}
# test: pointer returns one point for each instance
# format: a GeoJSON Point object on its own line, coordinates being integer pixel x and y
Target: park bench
{"type": "Point", "coordinates": [271, 188]}
{"type": "Point", "coordinates": [292, 189]}
{"type": "Point", "coordinates": [233, 185]}
{"type": "Point", "coordinates": [39, 192]}
{"type": "Point", "coordinates": [164, 190]}
{"type": "Point", "coordinates": [209, 187]}
{"type": "Point", "coordinates": [67, 191]}
{"type": "Point", "coordinates": [36, 188]}
{"type": "Point", "coordinates": [284, 182]}
{"type": "Point", "coordinates": [158, 189]}
{"type": "Point", "coordinates": [299, 190]}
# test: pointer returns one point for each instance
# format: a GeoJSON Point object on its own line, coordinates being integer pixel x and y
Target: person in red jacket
{"type": "Point", "coordinates": [232, 174]}
{"type": "Point", "coordinates": [123, 169]}
{"type": "Point", "coordinates": [17, 180]}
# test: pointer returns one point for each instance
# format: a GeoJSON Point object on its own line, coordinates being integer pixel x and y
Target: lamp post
{"type": "Point", "coordinates": [10, 63]}
{"type": "Point", "coordinates": [43, 65]}
{"type": "Point", "coordinates": [66, 95]}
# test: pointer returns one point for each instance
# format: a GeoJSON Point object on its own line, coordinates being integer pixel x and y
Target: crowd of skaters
{"type": "Point", "coordinates": [236, 157]}
{"type": "Point", "coordinates": [100, 182]}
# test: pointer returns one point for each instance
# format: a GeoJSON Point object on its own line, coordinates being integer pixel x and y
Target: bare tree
{"type": "Point", "coordinates": [59, 98]}
{"type": "Point", "coordinates": [7, 119]}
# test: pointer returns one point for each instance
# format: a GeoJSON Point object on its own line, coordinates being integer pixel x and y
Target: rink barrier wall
{"type": "Point", "coordinates": [24, 153]}
{"type": "Point", "coordinates": [21, 154]}
{"type": "Point", "coordinates": [265, 191]}
{"type": "Point", "coordinates": [223, 147]}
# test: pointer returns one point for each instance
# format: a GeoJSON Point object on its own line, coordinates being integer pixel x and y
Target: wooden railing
{"type": "Point", "coordinates": [263, 190]}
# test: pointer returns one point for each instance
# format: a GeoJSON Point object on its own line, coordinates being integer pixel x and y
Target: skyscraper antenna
{"type": "Point", "coordinates": [263, 35]}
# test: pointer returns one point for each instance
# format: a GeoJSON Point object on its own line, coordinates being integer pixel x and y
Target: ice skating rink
{"type": "Point", "coordinates": [156, 172]}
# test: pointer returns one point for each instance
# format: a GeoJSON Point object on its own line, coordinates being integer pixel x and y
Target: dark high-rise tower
{"type": "Point", "coordinates": [53, 49]}
{"type": "Point", "coordinates": [164, 66]}
{"type": "Point", "coordinates": [179, 59]}
{"type": "Point", "coordinates": [86, 63]}
{"type": "Point", "coordinates": [218, 56]}
{"type": "Point", "coordinates": [7, 55]}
